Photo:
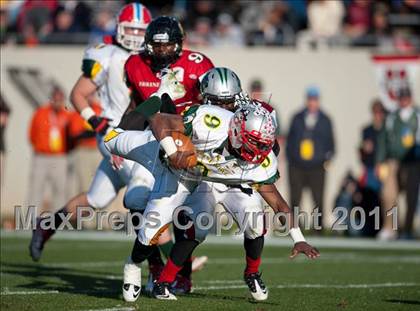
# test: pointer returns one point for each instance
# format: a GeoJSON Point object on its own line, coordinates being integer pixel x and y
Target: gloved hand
{"type": "Point", "coordinates": [99, 124]}
{"type": "Point", "coordinates": [170, 85]}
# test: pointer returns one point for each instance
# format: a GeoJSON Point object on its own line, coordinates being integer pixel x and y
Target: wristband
{"type": "Point", "coordinates": [87, 113]}
{"type": "Point", "coordinates": [296, 235]}
{"type": "Point", "coordinates": [168, 144]}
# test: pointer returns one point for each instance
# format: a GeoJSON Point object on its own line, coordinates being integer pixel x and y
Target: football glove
{"type": "Point", "coordinates": [99, 124]}
{"type": "Point", "coordinates": [170, 85]}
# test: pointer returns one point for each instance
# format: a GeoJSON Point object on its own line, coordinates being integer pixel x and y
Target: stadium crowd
{"type": "Point", "coordinates": [387, 24]}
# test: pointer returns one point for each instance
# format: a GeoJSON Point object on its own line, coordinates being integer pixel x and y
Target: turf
{"type": "Point", "coordinates": [87, 276]}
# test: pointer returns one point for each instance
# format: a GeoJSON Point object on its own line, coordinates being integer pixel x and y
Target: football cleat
{"type": "Point", "coordinates": [256, 286]}
{"type": "Point", "coordinates": [39, 237]}
{"type": "Point", "coordinates": [132, 281]}
{"type": "Point", "coordinates": [161, 291]}
{"type": "Point", "coordinates": [198, 263]}
{"type": "Point", "coordinates": [154, 273]}
{"type": "Point", "coordinates": [182, 285]}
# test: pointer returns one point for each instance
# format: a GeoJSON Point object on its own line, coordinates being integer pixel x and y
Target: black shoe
{"type": "Point", "coordinates": [39, 237]}
{"type": "Point", "coordinates": [161, 291]}
{"type": "Point", "coordinates": [256, 286]}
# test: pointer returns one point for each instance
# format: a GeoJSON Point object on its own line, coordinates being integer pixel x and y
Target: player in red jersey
{"type": "Point", "coordinates": [163, 50]}
{"type": "Point", "coordinates": [163, 56]}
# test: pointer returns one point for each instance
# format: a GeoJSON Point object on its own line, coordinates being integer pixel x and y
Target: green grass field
{"type": "Point", "coordinates": [86, 275]}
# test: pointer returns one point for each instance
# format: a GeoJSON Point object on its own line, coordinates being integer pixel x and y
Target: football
{"type": "Point", "coordinates": [184, 144]}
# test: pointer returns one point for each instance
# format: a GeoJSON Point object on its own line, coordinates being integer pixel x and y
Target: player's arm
{"type": "Point", "coordinates": [85, 87]}
{"type": "Point", "coordinates": [162, 126]}
{"type": "Point", "coordinates": [273, 198]}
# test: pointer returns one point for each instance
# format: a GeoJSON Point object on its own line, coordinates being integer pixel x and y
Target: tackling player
{"type": "Point", "coordinates": [102, 71]}
{"type": "Point", "coordinates": [163, 55]}
{"type": "Point", "coordinates": [231, 149]}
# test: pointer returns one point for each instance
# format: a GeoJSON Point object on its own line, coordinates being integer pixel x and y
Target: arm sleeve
{"type": "Point", "coordinates": [129, 81]}
{"type": "Point", "coordinates": [269, 181]}
{"type": "Point", "coordinates": [95, 64]}
{"type": "Point", "coordinates": [188, 118]}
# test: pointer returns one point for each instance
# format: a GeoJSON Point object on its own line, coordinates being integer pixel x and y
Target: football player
{"type": "Point", "coordinates": [232, 149]}
{"type": "Point", "coordinates": [163, 54]}
{"type": "Point", "coordinates": [102, 69]}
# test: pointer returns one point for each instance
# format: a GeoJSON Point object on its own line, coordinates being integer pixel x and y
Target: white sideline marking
{"type": "Point", "coordinates": [338, 286]}
{"type": "Point", "coordinates": [320, 242]}
{"type": "Point", "coordinates": [33, 292]}
{"type": "Point", "coordinates": [113, 309]}
{"type": "Point", "coordinates": [6, 292]}
{"type": "Point", "coordinates": [351, 257]}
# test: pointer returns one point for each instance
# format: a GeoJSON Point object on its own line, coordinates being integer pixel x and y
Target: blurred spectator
{"type": "Point", "coordinates": [48, 136]}
{"type": "Point", "coordinates": [34, 20]}
{"type": "Point", "coordinates": [369, 185]}
{"type": "Point", "coordinates": [380, 32]}
{"type": "Point", "coordinates": [346, 197]}
{"type": "Point", "coordinates": [274, 27]}
{"type": "Point", "coordinates": [358, 19]}
{"type": "Point", "coordinates": [104, 25]}
{"type": "Point", "coordinates": [256, 91]}
{"type": "Point", "coordinates": [398, 158]}
{"type": "Point", "coordinates": [85, 155]}
{"type": "Point", "coordinates": [309, 146]}
{"type": "Point", "coordinates": [200, 8]}
{"type": "Point", "coordinates": [324, 24]}
{"type": "Point", "coordinates": [200, 35]}
{"type": "Point", "coordinates": [227, 33]}
{"type": "Point", "coordinates": [4, 117]}
{"type": "Point", "coordinates": [82, 15]}
{"type": "Point", "coordinates": [4, 22]}
{"type": "Point", "coordinates": [391, 25]}
{"type": "Point", "coordinates": [266, 23]}
{"type": "Point", "coordinates": [370, 135]}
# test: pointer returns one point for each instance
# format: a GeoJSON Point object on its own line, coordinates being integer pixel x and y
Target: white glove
{"type": "Point", "coordinates": [170, 85]}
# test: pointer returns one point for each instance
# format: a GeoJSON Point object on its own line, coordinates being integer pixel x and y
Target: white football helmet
{"type": "Point", "coordinates": [136, 16]}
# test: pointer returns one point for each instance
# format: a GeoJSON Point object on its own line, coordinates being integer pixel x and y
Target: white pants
{"type": "Point", "coordinates": [107, 182]}
{"type": "Point", "coordinates": [168, 193]}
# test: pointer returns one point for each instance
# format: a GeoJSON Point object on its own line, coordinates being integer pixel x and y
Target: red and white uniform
{"type": "Point", "coordinates": [189, 68]}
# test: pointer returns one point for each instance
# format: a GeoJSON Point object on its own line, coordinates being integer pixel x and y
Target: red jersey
{"type": "Point", "coordinates": [189, 67]}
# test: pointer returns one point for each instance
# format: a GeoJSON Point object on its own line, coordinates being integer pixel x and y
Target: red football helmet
{"type": "Point", "coordinates": [133, 17]}
{"type": "Point", "coordinates": [252, 132]}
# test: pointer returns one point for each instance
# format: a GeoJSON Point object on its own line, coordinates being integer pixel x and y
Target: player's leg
{"type": "Point", "coordinates": [103, 190]}
{"type": "Point", "coordinates": [167, 194]}
{"type": "Point", "coordinates": [248, 212]}
{"type": "Point", "coordinates": [135, 199]}
{"type": "Point", "coordinates": [186, 240]}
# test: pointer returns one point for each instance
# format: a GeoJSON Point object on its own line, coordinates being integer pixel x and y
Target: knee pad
{"type": "Point", "coordinates": [99, 200]}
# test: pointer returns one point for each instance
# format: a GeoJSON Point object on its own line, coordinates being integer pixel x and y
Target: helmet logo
{"type": "Point", "coordinates": [161, 37]}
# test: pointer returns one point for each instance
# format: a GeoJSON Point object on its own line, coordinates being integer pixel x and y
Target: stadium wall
{"type": "Point", "coordinates": [346, 79]}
